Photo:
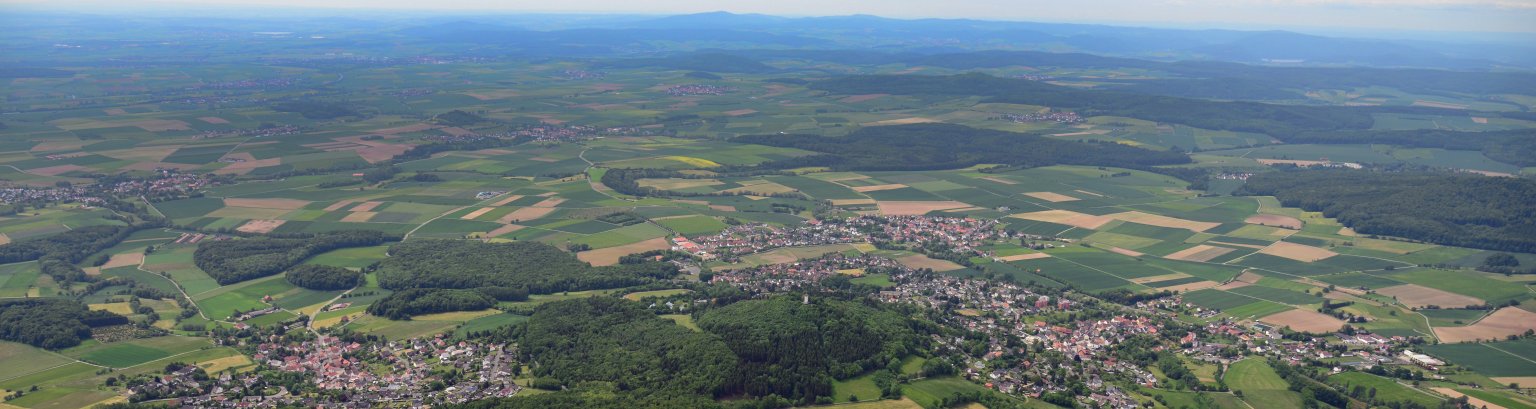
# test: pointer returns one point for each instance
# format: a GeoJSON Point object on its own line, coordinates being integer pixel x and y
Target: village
{"type": "Point", "coordinates": [334, 372]}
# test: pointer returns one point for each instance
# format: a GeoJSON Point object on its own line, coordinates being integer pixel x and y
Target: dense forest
{"type": "Point", "coordinates": [1515, 147]}
{"type": "Point", "coordinates": [56, 255]}
{"type": "Point", "coordinates": [1279, 121]}
{"type": "Point", "coordinates": [323, 278]}
{"type": "Point", "coordinates": [1464, 210]}
{"type": "Point", "coordinates": [233, 261]}
{"type": "Point", "coordinates": [949, 146]}
{"type": "Point", "coordinates": [51, 323]}
{"type": "Point", "coordinates": [416, 301]}
{"type": "Point", "coordinates": [538, 267]}
{"type": "Point", "coordinates": [73, 245]}
{"type": "Point", "coordinates": [796, 350]}
{"type": "Point", "coordinates": [609, 341]}
{"type": "Point", "coordinates": [1202, 75]}
{"type": "Point", "coordinates": [315, 109]}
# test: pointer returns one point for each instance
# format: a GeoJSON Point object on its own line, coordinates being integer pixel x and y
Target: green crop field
{"type": "Point", "coordinates": [1259, 383]}
{"type": "Point", "coordinates": [1387, 390]}
{"type": "Point", "coordinates": [1493, 359]}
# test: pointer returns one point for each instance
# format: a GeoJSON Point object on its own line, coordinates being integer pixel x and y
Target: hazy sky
{"type": "Point", "coordinates": [1418, 15]}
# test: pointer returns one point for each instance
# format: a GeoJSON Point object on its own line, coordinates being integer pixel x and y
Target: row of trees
{"type": "Point", "coordinates": [233, 261]}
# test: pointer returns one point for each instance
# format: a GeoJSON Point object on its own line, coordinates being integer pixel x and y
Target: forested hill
{"type": "Point", "coordinates": [1452, 209]}
{"type": "Point", "coordinates": [1279, 121]}
{"type": "Point", "coordinates": [537, 267]}
{"type": "Point", "coordinates": [948, 146]}
{"type": "Point", "coordinates": [795, 350]}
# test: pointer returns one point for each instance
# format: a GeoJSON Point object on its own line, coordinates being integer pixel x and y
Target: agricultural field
{"type": "Point", "coordinates": [602, 151]}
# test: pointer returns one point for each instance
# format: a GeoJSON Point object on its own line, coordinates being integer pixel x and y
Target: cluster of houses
{"type": "Point", "coordinates": [1008, 315]}
{"type": "Point", "coordinates": [734, 241]}
{"type": "Point", "coordinates": [957, 234]}
{"type": "Point", "coordinates": [804, 274]}
{"type": "Point", "coordinates": [582, 75]}
{"type": "Point", "coordinates": [280, 82]}
{"type": "Point", "coordinates": [258, 132]}
{"type": "Point", "coordinates": [1046, 116]}
{"type": "Point", "coordinates": [698, 89]}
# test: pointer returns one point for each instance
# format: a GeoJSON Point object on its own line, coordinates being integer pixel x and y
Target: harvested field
{"type": "Point", "coordinates": [160, 125]}
{"type": "Point", "coordinates": [477, 213]}
{"type": "Point", "coordinates": [1480, 120]}
{"type": "Point", "coordinates": [1249, 277]}
{"type": "Point", "coordinates": [740, 112]}
{"type": "Point", "coordinates": [1051, 196]}
{"type": "Point", "coordinates": [846, 202]}
{"type": "Point", "coordinates": [213, 120]}
{"type": "Point", "coordinates": [1298, 252]}
{"type": "Point", "coordinates": [1232, 285]}
{"type": "Point", "coordinates": [366, 207]}
{"type": "Point", "coordinates": [1275, 220]}
{"type": "Point", "coordinates": [144, 154]}
{"type": "Point", "coordinates": [526, 213]}
{"type": "Point", "coordinates": [723, 208]}
{"type": "Point", "coordinates": [1131, 253]}
{"type": "Point", "coordinates": [1088, 193]}
{"type": "Point", "coordinates": [902, 121]}
{"type": "Point", "coordinates": [674, 184]}
{"type": "Point", "coordinates": [375, 151]}
{"type": "Point", "coordinates": [504, 230]}
{"type": "Point", "coordinates": [338, 205]}
{"type": "Point", "coordinates": [260, 226]}
{"type": "Point", "coordinates": [1417, 296]}
{"type": "Point", "coordinates": [1198, 285]}
{"type": "Point", "coordinates": [610, 256]}
{"type": "Point", "coordinates": [876, 188]}
{"type": "Point", "coordinates": [1475, 402]}
{"type": "Point", "coordinates": [505, 200]}
{"type": "Point", "coordinates": [917, 208]}
{"type": "Point", "coordinates": [1200, 253]}
{"type": "Point", "coordinates": [1502, 323]}
{"type": "Point", "coordinates": [922, 261]}
{"type": "Point", "coordinates": [285, 204]}
{"type": "Point", "coordinates": [56, 170]}
{"type": "Point", "coordinates": [124, 260]}
{"type": "Point", "coordinates": [1000, 180]}
{"type": "Point", "coordinates": [404, 129]}
{"type": "Point", "coordinates": [1156, 278]}
{"type": "Point", "coordinates": [1305, 321]}
{"type": "Point", "coordinates": [240, 168]}
{"type": "Point", "coordinates": [1523, 381]}
{"type": "Point", "coordinates": [1434, 104]}
{"type": "Point", "coordinates": [359, 217]}
{"type": "Point", "coordinates": [862, 98]}
{"type": "Point", "coordinates": [544, 159]}
{"type": "Point", "coordinates": [1067, 217]}
{"type": "Point", "coordinates": [550, 202]}
{"type": "Point", "coordinates": [115, 111]}
{"type": "Point", "coordinates": [1163, 221]}
{"type": "Point", "coordinates": [1022, 257]}
{"type": "Point", "coordinates": [488, 95]}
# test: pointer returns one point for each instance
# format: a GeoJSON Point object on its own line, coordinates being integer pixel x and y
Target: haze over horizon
{"type": "Point", "coordinates": [1318, 16]}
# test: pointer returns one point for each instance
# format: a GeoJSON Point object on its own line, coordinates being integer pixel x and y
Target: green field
{"type": "Point", "coordinates": [1507, 358]}
{"type": "Point", "coordinates": [1387, 390]}
{"type": "Point", "coordinates": [1259, 383]}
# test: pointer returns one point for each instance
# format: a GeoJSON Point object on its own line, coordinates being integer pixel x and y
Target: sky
{"type": "Point", "coordinates": [1401, 15]}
